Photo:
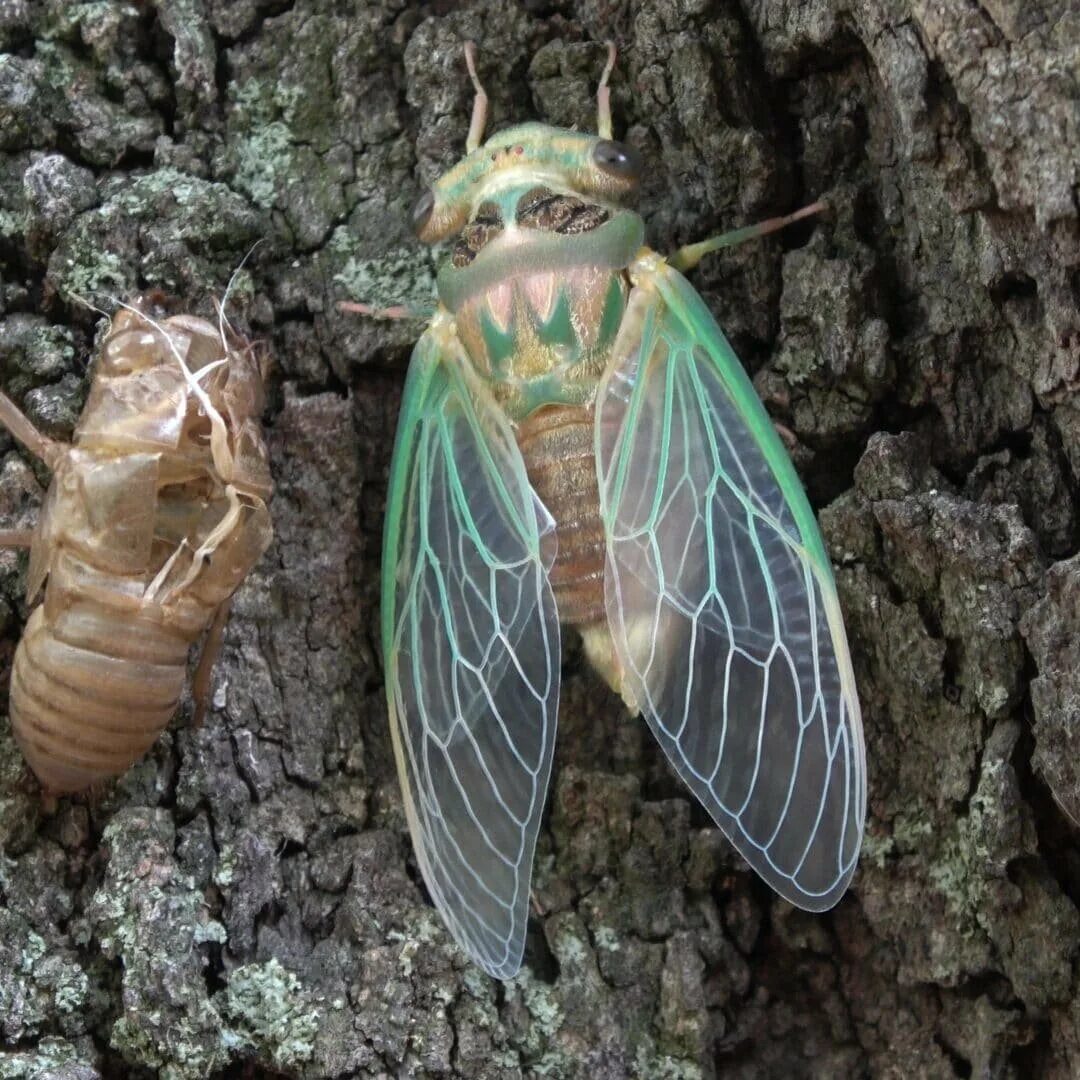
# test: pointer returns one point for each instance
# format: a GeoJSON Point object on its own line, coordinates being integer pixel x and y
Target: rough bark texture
{"type": "Point", "coordinates": [246, 899]}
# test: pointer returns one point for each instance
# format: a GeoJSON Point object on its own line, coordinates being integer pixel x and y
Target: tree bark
{"type": "Point", "coordinates": [247, 898]}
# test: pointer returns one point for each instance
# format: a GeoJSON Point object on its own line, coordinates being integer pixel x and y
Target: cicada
{"type": "Point", "coordinates": [579, 445]}
{"type": "Point", "coordinates": [155, 515]}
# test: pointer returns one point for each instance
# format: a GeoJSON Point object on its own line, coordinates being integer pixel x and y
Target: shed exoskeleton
{"type": "Point", "coordinates": [578, 444]}
{"type": "Point", "coordinates": [155, 514]}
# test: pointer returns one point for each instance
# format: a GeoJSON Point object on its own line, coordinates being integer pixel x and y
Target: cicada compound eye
{"type": "Point", "coordinates": [421, 211]}
{"type": "Point", "coordinates": [617, 159]}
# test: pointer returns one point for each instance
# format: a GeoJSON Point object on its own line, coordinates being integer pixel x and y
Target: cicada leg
{"type": "Point", "coordinates": [600, 651]}
{"type": "Point", "coordinates": [686, 258]}
{"type": "Point", "coordinates": [790, 439]}
{"type": "Point", "coordinates": [472, 142]}
{"type": "Point", "coordinates": [48, 450]}
{"type": "Point", "coordinates": [397, 311]}
{"type": "Point", "coordinates": [211, 650]}
{"type": "Point", "coordinates": [12, 417]}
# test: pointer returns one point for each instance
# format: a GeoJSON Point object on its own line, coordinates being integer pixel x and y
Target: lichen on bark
{"type": "Point", "coordinates": [247, 896]}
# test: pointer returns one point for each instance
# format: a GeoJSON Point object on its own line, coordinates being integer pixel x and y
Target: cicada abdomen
{"type": "Point", "coordinates": [155, 515]}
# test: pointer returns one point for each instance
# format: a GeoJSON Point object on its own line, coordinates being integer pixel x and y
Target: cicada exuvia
{"type": "Point", "coordinates": [579, 444]}
{"type": "Point", "coordinates": [155, 515]}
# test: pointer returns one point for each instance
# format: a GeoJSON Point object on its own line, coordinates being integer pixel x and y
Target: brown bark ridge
{"type": "Point", "coordinates": [245, 902]}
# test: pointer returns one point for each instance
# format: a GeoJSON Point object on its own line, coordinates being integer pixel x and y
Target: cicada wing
{"type": "Point", "coordinates": [471, 642]}
{"type": "Point", "coordinates": [721, 599]}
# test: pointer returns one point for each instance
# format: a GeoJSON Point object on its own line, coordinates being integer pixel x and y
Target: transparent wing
{"type": "Point", "coordinates": [721, 599]}
{"type": "Point", "coordinates": [471, 641]}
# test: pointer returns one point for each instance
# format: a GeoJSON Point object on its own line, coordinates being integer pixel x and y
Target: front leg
{"type": "Point", "coordinates": [16, 538]}
{"type": "Point", "coordinates": [211, 650]}
{"type": "Point", "coordinates": [423, 312]}
{"type": "Point", "coordinates": [41, 446]}
{"type": "Point", "coordinates": [686, 258]}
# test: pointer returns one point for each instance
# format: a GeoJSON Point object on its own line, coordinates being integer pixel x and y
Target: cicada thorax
{"type": "Point", "coordinates": [537, 286]}
{"type": "Point", "coordinates": [538, 320]}
{"type": "Point", "coordinates": [545, 337]}
{"type": "Point", "coordinates": [542, 340]}
{"type": "Point", "coordinates": [154, 516]}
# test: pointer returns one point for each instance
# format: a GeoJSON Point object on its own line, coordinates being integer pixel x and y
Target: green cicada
{"type": "Point", "coordinates": [578, 444]}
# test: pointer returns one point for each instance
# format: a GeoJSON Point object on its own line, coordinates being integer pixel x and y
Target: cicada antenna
{"type": "Point", "coordinates": [223, 319]}
{"type": "Point", "coordinates": [480, 102]}
{"type": "Point", "coordinates": [603, 94]}
{"type": "Point", "coordinates": [91, 306]}
{"type": "Point", "coordinates": [86, 303]}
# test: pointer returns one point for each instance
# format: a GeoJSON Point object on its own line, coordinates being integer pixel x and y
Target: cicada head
{"type": "Point", "coordinates": [521, 159]}
{"type": "Point", "coordinates": [532, 198]}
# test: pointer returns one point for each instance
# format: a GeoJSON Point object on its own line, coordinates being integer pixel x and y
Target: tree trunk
{"type": "Point", "coordinates": [246, 901]}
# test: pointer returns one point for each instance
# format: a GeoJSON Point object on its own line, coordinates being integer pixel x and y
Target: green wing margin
{"type": "Point", "coordinates": [471, 645]}
{"type": "Point", "coordinates": [721, 599]}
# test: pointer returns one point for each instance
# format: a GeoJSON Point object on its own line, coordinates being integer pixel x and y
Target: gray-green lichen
{"type": "Point", "coordinates": [152, 229]}
{"type": "Point", "coordinates": [37, 986]}
{"type": "Point", "coordinates": [266, 1009]}
{"type": "Point", "coordinates": [20, 807]}
{"type": "Point", "coordinates": [151, 917]}
{"type": "Point", "coordinates": [402, 276]}
{"type": "Point", "coordinates": [52, 1059]}
{"type": "Point", "coordinates": [148, 916]}
{"type": "Point", "coordinates": [263, 152]}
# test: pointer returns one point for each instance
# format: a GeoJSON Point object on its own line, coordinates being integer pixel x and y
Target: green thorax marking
{"type": "Point", "coordinates": [537, 279]}
{"type": "Point", "coordinates": [545, 338]}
